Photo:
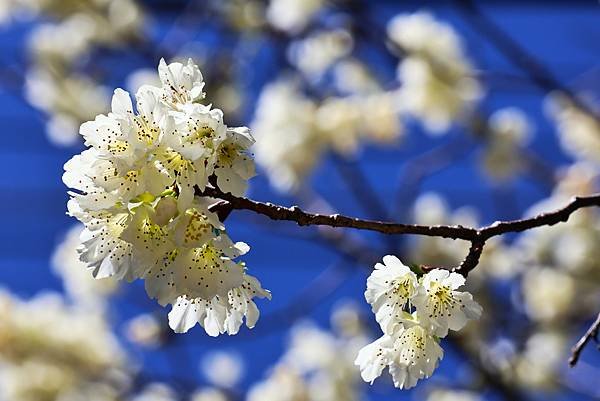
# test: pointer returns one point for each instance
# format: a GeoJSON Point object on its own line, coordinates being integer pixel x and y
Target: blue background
{"type": "Point", "coordinates": [564, 35]}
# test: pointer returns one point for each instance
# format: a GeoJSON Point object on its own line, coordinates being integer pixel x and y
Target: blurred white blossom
{"type": "Point", "coordinates": [293, 132]}
{"type": "Point", "coordinates": [314, 54]}
{"type": "Point", "coordinates": [579, 133]}
{"type": "Point", "coordinates": [292, 15]}
{"type": "Point", "coordinates": [156, 392]}
{"type": "Point", "coordinates": [453, 395]}
{"type": "Point", "coordinates": [509, 132]}
{"type": "Point", "coordinates": [50, 350]}
{"type": "Point", "coordinates": [77, 280]}
{"type": "Point", "coordinates": [437, 80]}
{"type": "Point", "coordinates": [222, 369]}
{"type": "Point", "coordinates": [144, 330]}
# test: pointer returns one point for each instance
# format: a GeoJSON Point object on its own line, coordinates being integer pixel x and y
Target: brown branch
{"type": "Point", "coordinates": [477, 237]}
{"type": "Point", "coordinates": [590, 334]}
{"type": "Point", "coordinates": [302, 218]}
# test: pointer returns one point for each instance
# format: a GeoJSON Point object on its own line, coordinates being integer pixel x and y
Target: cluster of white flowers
{"type": "Point", "coordinates": [413, 313]}
{"type": "Point", "coordinates": [134, 190]}
{"type": "Point", "coordinates": [437, 80]}
{"type": "Point", "coordinates": [292, 131]}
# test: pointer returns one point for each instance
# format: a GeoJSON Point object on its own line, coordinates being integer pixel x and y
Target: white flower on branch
{"type": "Point", "coordinates": [410, 343]}
{"type": "Point", "coordinates": [411, 354]}
{"type": "Point", "coordinates": [441, 306]}
{"type": "Point", "coordinates": [134, 191]}
{"type": "Point", "coordinates": [389, 289]}
{"type": "Point", "coordinates": [222, 313]}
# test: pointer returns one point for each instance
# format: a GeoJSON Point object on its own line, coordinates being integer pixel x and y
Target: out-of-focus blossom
{"type": "Point", "coordinates": [77, 280]}
{"type": "Point", "coordinates": [453, 395]}
{"type": "Point", "coordinates": [58, 45]}
{"type": "Point", "coordinates": [209, 394]}
{"type": "Point", "coordinates": [509, 132]}
{"type": "Point", "coordinates": [344, 121]}
{"type": "Point", "coordinates": [68, 101]}
{"type": "Point", "coordinates": [316, 53]}
{"type": "Point", "coordinates": [144, 330]}
{"type": "Point", "coordinates": [292, 131]}
{"type": "Point", "coordinates": [222, 369]}
{"type": "Point", "coordinates": [283, 384]}
{"type": "Point", "coordinates": [431, 209]}
{"type": "Point", "coordinates": [51, 351]}
{"type": "Point", "coordinates": [286, 144]}
{"type": "Point", "coordinates": [579, 133]}
{"type": "Point", "coordinates": [292, 15]}
{"type": "Point", "coordinates": [353, 77]}
{"type": "Point", "coordinates": [318, 364]}
{"type": "Point", "coordinates": [437, 80]}
{"type": "Point", "coordinates": [548, 293]}
{"type": "Point", "coordinates": [55, 83]}
{"type": "Point", "coordinates": [541, 359]}
{"type": "Point", "coordinates": [143, 76]}
{"type": "Point", "coordinates": [346, 319]}
{"type": "Point", "coordinates": [156, 392]}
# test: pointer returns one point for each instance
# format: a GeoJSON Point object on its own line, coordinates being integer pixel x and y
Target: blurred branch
{"type": "Point", "coordinates": [308, 298]}
{"type": "Point", "coordinates": [590, 335]}
{"type": "Point", "coordinates": [515, 53]}
{"type": "Point", "coordinates": [424, 165]}
{"type": "Point", "coordinates": [489, 374]}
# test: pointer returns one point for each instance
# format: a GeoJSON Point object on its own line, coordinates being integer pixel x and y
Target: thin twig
{"type": "Point", "coordinates": [590, 334]}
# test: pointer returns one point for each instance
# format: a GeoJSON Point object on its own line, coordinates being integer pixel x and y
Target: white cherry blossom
{"type": "Point", "coordinates": [221, 314]}
{"type": "Point", "coordinates": [134, 189]}
{"type": "Point", "coordinates": [390, 288]}
{"type": "Point", "coordinates": [182, 83]}
{"type": "Point", "coordinates": [411, 354]}
{"type": "Point", "coordinates": [440, 306]}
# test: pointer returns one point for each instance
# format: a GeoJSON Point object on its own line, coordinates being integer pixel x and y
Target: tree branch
{"type": "Point", "coordinates": [590, 334]}
{"type": "Point", "coordinates": [302, 218]}
{"type": "Point", "coordinates": [477, 237]}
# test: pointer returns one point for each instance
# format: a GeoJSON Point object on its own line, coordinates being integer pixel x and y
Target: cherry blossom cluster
{"type": "Point", "coordinates": [134, 190]}
{"type": "Point", "coordinates": [414, 314]}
